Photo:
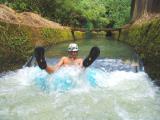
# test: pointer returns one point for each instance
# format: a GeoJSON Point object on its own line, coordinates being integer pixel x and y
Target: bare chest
{"type": "Point", "coordinates": [71, 62]}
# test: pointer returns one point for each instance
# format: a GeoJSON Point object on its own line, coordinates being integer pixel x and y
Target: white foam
{"type": "Point", "coordinates": [117, 95]}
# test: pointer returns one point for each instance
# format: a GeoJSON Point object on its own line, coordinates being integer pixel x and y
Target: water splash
{"type": "Point", "coordinates": [97, 93]}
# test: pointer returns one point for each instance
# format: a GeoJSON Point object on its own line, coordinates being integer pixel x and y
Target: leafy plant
{"type": "Point", "coordinates": [78, 13]}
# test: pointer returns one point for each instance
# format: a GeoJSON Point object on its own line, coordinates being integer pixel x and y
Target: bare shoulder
{"type": "Point", "coordinates": [64, 58]}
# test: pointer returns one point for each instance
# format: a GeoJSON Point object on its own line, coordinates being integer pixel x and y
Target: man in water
{"type": "Point", "coordinates": [70, 60]}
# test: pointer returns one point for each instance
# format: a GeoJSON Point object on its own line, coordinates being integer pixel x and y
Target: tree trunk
{"type": "Point", "coordinates": [141, 7]}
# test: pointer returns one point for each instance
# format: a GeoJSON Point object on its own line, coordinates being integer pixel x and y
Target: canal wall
{"type": "Point", "coordinates": [142, 33]}
{"type": "Point", "coordinates": [145, 39]}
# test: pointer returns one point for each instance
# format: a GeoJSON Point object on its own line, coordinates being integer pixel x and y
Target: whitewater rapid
{"type": "Point", "coordinates": [117, 93]}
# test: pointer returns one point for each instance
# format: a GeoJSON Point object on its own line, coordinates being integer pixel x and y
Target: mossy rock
{"type": "Point", "coordinates": [145, 39]}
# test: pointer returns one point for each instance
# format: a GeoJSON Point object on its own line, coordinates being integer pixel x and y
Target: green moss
{"type": "Point", "coordinates": [53, 36]}
{"type": "Point", "coordinates": [145, 39]}
{"type": "Point", "coordinates": [15, 46]}
{"type": "Point", "coordinates": [79, 35]}
{"type": "Point", "coordinates": [47, 33]}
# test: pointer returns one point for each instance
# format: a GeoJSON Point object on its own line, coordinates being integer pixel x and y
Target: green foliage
{"type": "Point", "coordinates": [91, 12]}
{"type": "Point", "coordinates": [118, 11]}
{"type": "Point", "coordinates": [23, 5]}
{"type": "Point", "coordinates": [78, 13]}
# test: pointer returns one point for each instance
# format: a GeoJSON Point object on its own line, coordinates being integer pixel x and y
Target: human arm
{"type": "Point", "coordinates": [51, 69]}
{"type": "Point", "coordinates": [81, 62]}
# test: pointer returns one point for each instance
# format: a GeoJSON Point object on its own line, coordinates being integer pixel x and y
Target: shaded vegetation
{"type": "Point", "coordinates": [78, 13]}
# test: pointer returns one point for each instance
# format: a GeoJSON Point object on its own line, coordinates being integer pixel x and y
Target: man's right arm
{"type": "Point", "coordinates": [51, 69]}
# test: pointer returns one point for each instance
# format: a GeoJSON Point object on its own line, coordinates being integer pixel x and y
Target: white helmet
{"type": "Point", "coordinates": [73, 47]}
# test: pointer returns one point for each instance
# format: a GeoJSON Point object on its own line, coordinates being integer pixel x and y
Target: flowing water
{"type": "Point", "coordinates": [109, 89]}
